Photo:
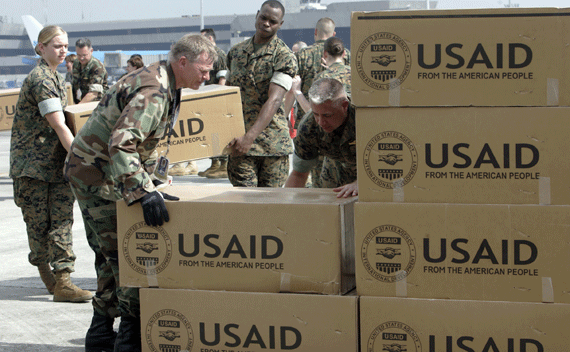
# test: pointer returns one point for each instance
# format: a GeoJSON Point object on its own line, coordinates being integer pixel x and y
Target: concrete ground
{"type": "Point", "coordinates": [29, 319]}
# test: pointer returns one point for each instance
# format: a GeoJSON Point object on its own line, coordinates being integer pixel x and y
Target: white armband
{"type": "Point", "coordinates": [221, 74]}
{"type": "Point", "coordinates": [50, 105]}
{"type": "Point", "coordinates": [98, 88]}
{"type": "Point", "coordinates": [282, 80]}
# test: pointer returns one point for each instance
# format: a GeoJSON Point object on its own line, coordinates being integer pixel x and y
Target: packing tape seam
{"type": "Point", "coordinates": [544, 191]}
{"type": "Point", "coordinates": [394, 96]}
{"type": "Point", "coordinates": [547, 290]}
{"type": "Point", "coordinates": [151, 273]}
{"type": "Point", "coordinates": [398, 191]}
{"type": "Point", "coordinates": [216, 148]}
{"type": "Point", "coordinates": [552, 91]}
{"type": "Point", "coordinates": [402, 287]}
{"type": "Point", "coordinates": [285, 285]}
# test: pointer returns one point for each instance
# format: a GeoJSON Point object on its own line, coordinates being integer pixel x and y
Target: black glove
{"type": "Point", "coordinates": [154, 209]}
{"type": "Point", "coordinates": [156, 183]}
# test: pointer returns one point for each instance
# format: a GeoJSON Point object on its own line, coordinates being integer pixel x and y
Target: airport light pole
{"type": "Point", "coordinates": [201, 14]}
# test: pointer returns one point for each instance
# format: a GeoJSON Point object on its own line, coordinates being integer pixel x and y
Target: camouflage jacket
{"type": "Point", "coordinates": [219, 65]}
{"type": "Point", "coordinates": [309, 61]}
{"type": "Point", "coordinates": [111, 154]}
{"type": "Point", "coordinates": [252, 70]}
{"type": "Point", "coordinates": [91, 78]}
{"type": "Point", "coordinates": [340, 72]}
{"type": "Point", "coordinates": [35, 149]}
{"type": "Point", "coordinates": [339, 145]}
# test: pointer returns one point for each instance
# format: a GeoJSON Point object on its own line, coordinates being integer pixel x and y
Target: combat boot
{"type": "Point", "coordinates": [177, 170]}
{"type": "Point", "coordinates": [47, 276]}
{"type": "Point", "coordinates": [221, 172]}
{"type": "Point", "coordinates": [100, 337]}
{"type": "Point", "coordinates": [215, 165]}
{"type": "Point", "coordinates": [129, 335]}
{"type": "Point", "coordinates": [191, 168]}
{"type": "Point", "coordinates": [66, 291]}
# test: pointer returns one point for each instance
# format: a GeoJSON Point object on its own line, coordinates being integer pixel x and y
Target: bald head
{"type": "Point", "coordinates": [324, 29]}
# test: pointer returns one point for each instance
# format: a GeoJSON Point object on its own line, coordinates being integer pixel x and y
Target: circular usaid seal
{"type": "Point", "coordinates": [388, 253]}
{"type": "Point", "coordinates": [383, 61]}
{"type": "Point", "coordinates": [147, 249]}
{"type": "Point", "coordinates": [390, 159]}
{"type": "Point", "coordinates": [169, 330]}
{"type": "Point", "coordinates": [393, 336]}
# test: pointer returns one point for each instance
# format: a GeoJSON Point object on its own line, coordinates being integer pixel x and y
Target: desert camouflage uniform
{"type": "Point", "coordinates": [220, 67]}
{"type": "Point", "coordinates": [112, 158]}
{"type": "Point", "coordinates": [36, 164]}
{"type": "Point", "coordinates": [338, 147]}
{"type": "Point", "coordinates": [251, 69]}
{"type": "Point", "coordinates": [91, 78]}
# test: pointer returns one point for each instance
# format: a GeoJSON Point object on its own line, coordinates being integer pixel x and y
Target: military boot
{"type": "Point", "coordinates": [215, 165]}
{"type": "Point", "coordinates": [221, 172]}
{"type": "Point", "coordinates": [191, 168]}
{"type": "Point", "coordinates": [177, 170]}
{"type": "Point", "coordinates": [100, 337]}
{"type": "Point", "coordinates": [66, 291]}
{"type": "Point", "coordinates": [47, 276]}
{"type": "Point", "coordinates": [129, 335]}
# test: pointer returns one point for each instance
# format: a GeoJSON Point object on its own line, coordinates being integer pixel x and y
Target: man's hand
{"type": "Point", "coordinates": [296, 85]}
{"type": "Point", "coordinates": [324, 63]}
{"type": "Point", "coordinates": [154, 209]}
{"type": "Point", "coordinates": [349, 190]}
{"type": "Point", "coordinates": [241, 145]}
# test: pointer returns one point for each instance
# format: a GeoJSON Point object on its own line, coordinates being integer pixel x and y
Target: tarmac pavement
{"type": "Point", "coordinates": [29, 319]}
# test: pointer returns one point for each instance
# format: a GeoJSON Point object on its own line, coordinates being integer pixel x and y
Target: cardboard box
{"type": "Point", "coordinates": [187, 320]}
{"type": "Point", "coordinates": [490, 57]}
{"type": "Point", "coordinates": [76, 115]}
{"type": "Point", "coordinates": [416, 325]}
{"type": "Point", "coordinates": [209, 119]}
{"type": "Point", "coordinates": [463, 155]}
{"type": "Point", "coordinates": [242, 239]}
{"type": "Point", "coordinates": [8, 102]}
{"type": "Point", "coordinates": [457, 251]}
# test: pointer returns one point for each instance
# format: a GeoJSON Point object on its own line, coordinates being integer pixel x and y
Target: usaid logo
{"type": "Point", "coordinates": [393, 336]}
{"type": "Point", "coordinates": [147, 250]}
{"type": "Point", "coordinates": [383, 61]}
{"type": "Point", "coordinates": [169, 331]}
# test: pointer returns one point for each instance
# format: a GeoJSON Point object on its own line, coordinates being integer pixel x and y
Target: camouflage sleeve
{"type": "Point", "coordinates": [347, 57]}
{"type": "Point", "coordinates": [138, 121]}
{"type": "Point", "coordinates": [285, 62]}
{"type": "Point", "coordinates": [97, 79]}
{"type": "Point", "coordinates": [45, 90]}
{"type": "Point", "coordinates": [75, 77]}
{"type": "Point", "coordinates": [306, 147]}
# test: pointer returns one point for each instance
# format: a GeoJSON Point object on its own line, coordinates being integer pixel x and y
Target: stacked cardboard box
{"type": "Point", "coordinates": [461, 225]}
{"type": "Point", "coordinates": [8, 101]}
{"type": "Point", "coordinates": [245, 269]}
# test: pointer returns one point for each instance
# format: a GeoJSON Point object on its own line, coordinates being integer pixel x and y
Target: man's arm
{"type": "Point", "coordinates": [296, 179]}
{"type": "Point", "coordinates": [243, 144]}
{"type": "Point", "coordinates": [89, 97]}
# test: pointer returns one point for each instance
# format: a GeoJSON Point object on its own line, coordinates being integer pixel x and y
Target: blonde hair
{"type": "Point", "coordinates": [192, 46]}
{"type": "Point", "coordinates": [46, 35]}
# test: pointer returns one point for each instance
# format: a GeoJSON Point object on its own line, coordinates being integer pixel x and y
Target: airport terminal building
{"type": "Point", "coordinates": [17, 54]}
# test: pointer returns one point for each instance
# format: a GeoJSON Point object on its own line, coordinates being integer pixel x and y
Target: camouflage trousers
{"type": "Point", "coordinates": [335, 174]}
{"type": "Point", "coordinates": [48, 213]}
{"type": "Point", "coordinates": [100, 219]}
{"type": "Point", "coordinates": [258, 171]}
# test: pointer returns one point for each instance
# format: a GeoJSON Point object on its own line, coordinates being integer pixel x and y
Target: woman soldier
{"type": "Point", "coordinates": [39, 145]}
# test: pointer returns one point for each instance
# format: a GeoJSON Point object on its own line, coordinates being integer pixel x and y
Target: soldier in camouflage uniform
{"type": "Point", "coordinates": [333, 56]}
{"type": "Point", "coordinates": [89, 81]}
{"type": "Point", "coordinates": [329, 130]}
{"type": "Point", "coordinates": [263, 67]}
{"type": "Point", "coordinates": [40, 140]}
{"type": "Point", "coordinates": [113, 157]}
{"type": "Point", "coordinates": [310, 65]}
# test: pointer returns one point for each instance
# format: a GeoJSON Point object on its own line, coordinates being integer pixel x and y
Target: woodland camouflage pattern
{"type": "Point", "coordinates": [309, 61]}
{"type": "Point", "coordinates": [252, 71]}
{"type": "Point", "coordinates": [83, 78]}
{"type": "Point", "coordinates": [109, 154]}
{"type": "Point", "coordinates": [35, 149]}
{"type": "Point", "coordinates": [340, 72]}
{"type": "Point", "coordinates": [338, 147]}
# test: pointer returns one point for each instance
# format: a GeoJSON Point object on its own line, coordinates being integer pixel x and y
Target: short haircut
{"type": "Point", "coordinates": [46, 35]}
{"type": "Point", "coordinates": [327, 89]}
{"type": "Point", "coordinates": [136, 55]}
{"type": "Point", "coordinates": [136, 62]}
{"type": "Point", "coordinates": [276, 5]}
{"type": "Point", "coordinates": [70, 58]}
{"type": "Point", "coordinates": [300, 44]}
{"type": "Point", "coordinates": [209, 32]}
{"type": "Point", "coordinates": [325, 26]}
{"type": "Point", "coordinates": [192, 46]}
{"type": "Point", "coordinates": [82, 43]}
{"type": "Point", "coordinates": [334, 46]}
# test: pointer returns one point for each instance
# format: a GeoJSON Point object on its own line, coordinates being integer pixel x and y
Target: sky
{"type": "Point", "coordinates": [74, 11]}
